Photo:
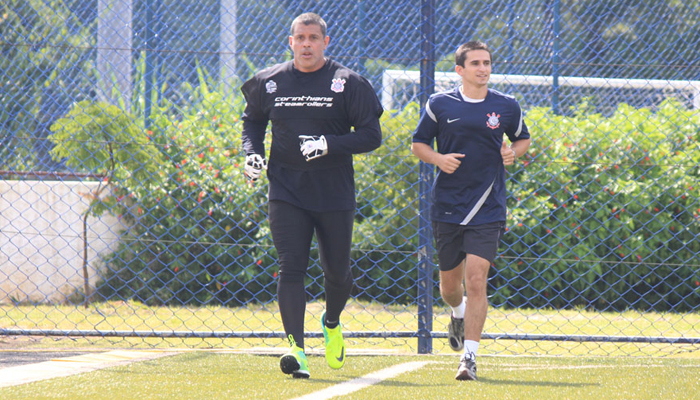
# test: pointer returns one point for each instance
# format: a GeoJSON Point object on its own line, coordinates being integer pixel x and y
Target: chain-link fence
{"type": "Point", "coordinates": [124, 212]}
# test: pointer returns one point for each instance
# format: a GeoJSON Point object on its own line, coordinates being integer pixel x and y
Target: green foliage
{"type": "Point", "coordinates": [192, 219]}
{"type": "Point", "coordinates": [100, 138]}
{"type": "Point", "coordinates": [386, 226]}
{"type": "Point", "coordinates": [604, 212]}
{"type": "Point", "coordinates": [36, 70]}
{"type": "Point", "coordinates": [193, 237]}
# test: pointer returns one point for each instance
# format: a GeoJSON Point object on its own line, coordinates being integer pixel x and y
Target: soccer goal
{"type": "Point", "coordinates": [400, 87]}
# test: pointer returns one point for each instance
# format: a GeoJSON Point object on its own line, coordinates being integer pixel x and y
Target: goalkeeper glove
{"type": "Point", "coordinates": [254, 164]}
{"type": "Point", "coordinates": [313, 146]}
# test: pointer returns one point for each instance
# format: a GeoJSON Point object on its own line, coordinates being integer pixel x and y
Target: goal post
{"type": "Point", "coordinates": [400, 87]}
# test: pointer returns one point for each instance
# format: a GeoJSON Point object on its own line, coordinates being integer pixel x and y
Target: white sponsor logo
{"type": "Point", "coordinates": [304, 101]}
{"type": "Point", "coordinates": [449, 121]}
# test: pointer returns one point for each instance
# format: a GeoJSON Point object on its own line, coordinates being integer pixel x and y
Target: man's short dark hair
{"type": "Point", "coordinates": [309, 19]}
{"type": "Point", "coordinates": [461, 53]}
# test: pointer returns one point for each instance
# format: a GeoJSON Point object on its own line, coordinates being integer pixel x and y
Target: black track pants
{"type": "Point", "coordinates": [292, 230]}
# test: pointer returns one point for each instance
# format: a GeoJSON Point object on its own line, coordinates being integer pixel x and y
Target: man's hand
{"type": "Point", "coordinates": [448, 163]}
{"type": "Point", "coordinates": [254, 164]}
{"type": "Point", "coordinates": [508, 154]}
{"type": "Point", "coordinates": [313, 146]}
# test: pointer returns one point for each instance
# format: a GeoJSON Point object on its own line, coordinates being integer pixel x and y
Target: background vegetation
{"type": "Point", "coordinates": [603, 210]}
{"type": "Point", "coordinates": [585, 228]}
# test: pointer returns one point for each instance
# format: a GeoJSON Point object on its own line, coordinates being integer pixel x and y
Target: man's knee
{"type": "Point", "coordinates": [448, 287]}
{"type": "Point", "coordinates": [291, 276]}
{"type": "Point", "coordinates": [451, 282]}
{"type": "Point", "coordinates": [451, 291]}
{"type": "Point", "coordinates": [339, 278]}
{"type": "Point", "coordinates": [476, 284]}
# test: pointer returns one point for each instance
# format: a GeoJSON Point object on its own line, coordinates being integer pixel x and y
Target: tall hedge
{"type": "Point", "coordinates": [603, 213]}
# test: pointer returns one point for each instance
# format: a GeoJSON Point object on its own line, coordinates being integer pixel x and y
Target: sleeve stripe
{"type": "Point", "coordinates": [429, 111]}
{"type": "Point", "coordinates": [520, 124]}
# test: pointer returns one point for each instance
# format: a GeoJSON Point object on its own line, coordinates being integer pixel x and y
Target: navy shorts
{"type": "Point", "coordinates": [454, 242]}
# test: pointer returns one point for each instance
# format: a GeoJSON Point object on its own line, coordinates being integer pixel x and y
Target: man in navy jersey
{"type": "Point", "coordinates": [468, 209]}
{"type": "Point", "coordinates": [322, 113]}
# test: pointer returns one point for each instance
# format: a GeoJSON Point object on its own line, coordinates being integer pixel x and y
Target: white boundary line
{"type": "Point", "coordinates": [61, 367]}
{"type": "Point", "coordinates": [373, 378]}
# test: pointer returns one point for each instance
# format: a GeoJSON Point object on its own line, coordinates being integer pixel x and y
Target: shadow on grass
{"type": "Point", "coordinates": [408, 384]}
{"type": "Point", "coordinates": [535, 383]}
{"type": "Point", "coordinates": [347, 379]}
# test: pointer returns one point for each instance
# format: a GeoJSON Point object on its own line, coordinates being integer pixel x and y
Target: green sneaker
{"type": "Point", "coordinates": [294, 362]}
{"type": "Point", "coordinates": [335, 347]}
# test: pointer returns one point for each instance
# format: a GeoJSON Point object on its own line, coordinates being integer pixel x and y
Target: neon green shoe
{"type": "Point", "coordinates": [335, 347]}
{"type": "Point", "coordinates": [294, 362]}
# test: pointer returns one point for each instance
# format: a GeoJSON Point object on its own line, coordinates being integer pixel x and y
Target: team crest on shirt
{"type": "Point", "coordinates": [338, 85]}
{"type": "Point", "coordinates": [271, 86]}
{"type": "Point", "coordinates": [493, 122]}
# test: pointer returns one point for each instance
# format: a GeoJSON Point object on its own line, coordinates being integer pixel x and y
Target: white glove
{"type": "Point", "coordinates": [313, 146]}
{"type": "Point", "coordinates": [254, 164]}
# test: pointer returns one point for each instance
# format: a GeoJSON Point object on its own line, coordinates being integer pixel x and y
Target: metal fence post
{"type": "Point", "coordinates": [151, 58]}
{"type": "Point", "coordinates": [425, 250]}
{"type": "Point", "coordinates": [555, 59]}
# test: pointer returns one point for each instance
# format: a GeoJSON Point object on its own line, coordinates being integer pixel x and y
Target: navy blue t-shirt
{"type": "Point", "coordinates": [330, 102]}
{"type": "Point", "coordinates": [475, 193]}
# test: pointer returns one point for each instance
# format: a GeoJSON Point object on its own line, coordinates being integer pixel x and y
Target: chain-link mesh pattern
{"type": "Point", "coordinates": [125, 213]}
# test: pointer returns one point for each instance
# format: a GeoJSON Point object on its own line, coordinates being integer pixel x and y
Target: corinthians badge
{"type": "Point", "coordinates": [271, 86]}
{"type": "Point", "coordinates": [493, 121]}
{"type": "Point", "coordinates": [338, 85]}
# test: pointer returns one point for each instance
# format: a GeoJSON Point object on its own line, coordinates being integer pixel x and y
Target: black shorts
{"type": "Point", "coordinates": [454, 242]}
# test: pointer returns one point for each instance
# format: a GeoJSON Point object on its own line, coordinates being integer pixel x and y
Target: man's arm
{"type": "Point", "coordinates": [520, 147]}
{"type": "Point", "coordinates": [364, 139]}
{"type": "Point", "coordinates": [364, 110]}
{"type": "Point", "coordinates": [254, 119]}
{"type": "Point", "coordinates": [253, 133]}
{"type": "Point", "coordinates": [516, 149]}
{"type": "Point", "coordinates": [253, 136]}
{"type": "Point", "coordinates": [447, 163]}
{"type": "Point", "coordinates": [426, 132]}
{"type": "Point", "coordinates": [519, 136]}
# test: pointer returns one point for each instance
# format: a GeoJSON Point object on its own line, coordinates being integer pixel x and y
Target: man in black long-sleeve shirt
{"type": "Point", "coordinates": [313, 103]}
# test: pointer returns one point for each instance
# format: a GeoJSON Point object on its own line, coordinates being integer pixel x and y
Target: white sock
{"type": "Point", "coordinates": [458, 312]}
{"type": "Point", "coordinates": [470, 348]}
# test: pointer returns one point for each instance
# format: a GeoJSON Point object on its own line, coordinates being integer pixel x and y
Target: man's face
{"type": "Point", "coordinates": [477, 68]}
{"type": "Point", "coordinates": [308, 45]}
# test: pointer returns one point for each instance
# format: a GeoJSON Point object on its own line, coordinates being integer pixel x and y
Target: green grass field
{"type": "Point", "coordinates": [236, 368]}
{"type": "Point", "coordinates": [358, 317]}
{"type": "Point", "coordinates": [201, 374]}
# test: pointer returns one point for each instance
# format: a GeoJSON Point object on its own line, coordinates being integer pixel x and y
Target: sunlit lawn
{"type": "Point", "coordinates": [240, 376]}
{"type": "Point", "coordinates": [359, 317]}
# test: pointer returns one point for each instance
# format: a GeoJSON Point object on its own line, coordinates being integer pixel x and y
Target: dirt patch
{"type": "Point", "coordinates": [19, 342]}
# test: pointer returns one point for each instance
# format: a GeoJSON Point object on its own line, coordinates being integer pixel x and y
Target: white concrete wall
{"type": "Point", "coordinates": [41, 240]}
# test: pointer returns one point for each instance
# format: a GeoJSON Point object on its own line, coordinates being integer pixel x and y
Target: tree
{"type": "Point", "coordinates": [45, 66]}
